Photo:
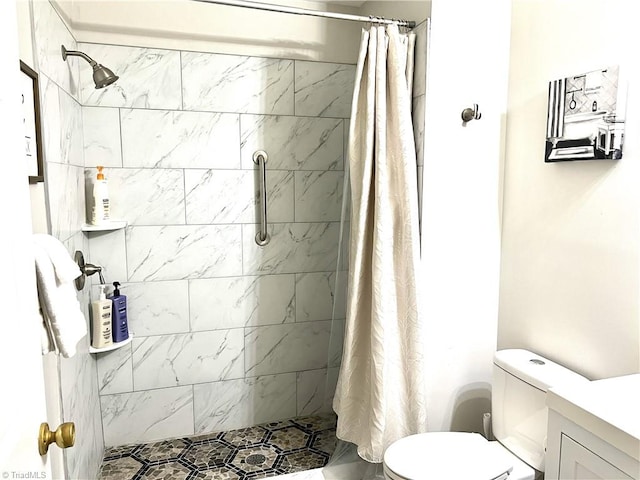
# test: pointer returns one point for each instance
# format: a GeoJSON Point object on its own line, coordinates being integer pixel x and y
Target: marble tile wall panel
{"type": "Point", "coordinates": [294, 247]}
{"type": "Point", "coordinates": [231, 83]}
{"type": "Point", "coordinates": [170, 139]}
{"type": "Point", "coordinates": [315, 390]}
{"type": "Point", "coordinates": [157, 308]}
{"type": "Point", "coordinates": [236, 302]}
{"type": "Point", "coordinates": [149, 78]}
{"type": "Point", "coordinates": [324, 89]}
{"type": "Point", "coordinates": [286, 348]}
{"type": "Point", "coordinates": [180, 252]}
{"type": "Point", "coordinates": [51, 118]}
{"type": "Point", "coordinates": [185, 359]}
{"type": "Point", "coordinates": [144, 196]}
{"type": "Point", "coordinates": [292, 143]}
{"type": "Point", "coordinates": [316, 294]}
{"type": "Point", "coordinates": [101, 127]}
{"type": "Point", "coordinates": [107, 249]}
{"type": "Point", "coordinates": [148, 416]}
{"type": "Point", "coordinates": [115, 373]}
{"type": "Point", "coordinates": [420, 59]}
{"type": "Point", "coordinates": [50, 32]}
{"type": "Point", "coordinates": [336, 342]}
{"type": "Point", "coordinates": [245, 402]}
{"type": "Point", "coordinates": [232, 196]}
{"type": "Point", "coordinates": [65, 185]}
{"type": "Point", "coordinates": [71, 143]}
{"type": "Point", "coordinates": [319, 196]}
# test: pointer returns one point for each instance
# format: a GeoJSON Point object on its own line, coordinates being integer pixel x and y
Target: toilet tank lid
{"type": "Point", "coordinates": [534, 369]}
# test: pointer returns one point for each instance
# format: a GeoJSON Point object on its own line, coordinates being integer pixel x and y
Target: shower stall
{"type": "Point", "coordinates": [229, 330]}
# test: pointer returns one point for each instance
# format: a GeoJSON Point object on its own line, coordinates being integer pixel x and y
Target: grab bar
{"type": "Point", "coordinates": [260, 158]}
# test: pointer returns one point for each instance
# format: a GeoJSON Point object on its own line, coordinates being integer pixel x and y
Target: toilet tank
{"type": "Point", "coordinates": [519, 412]}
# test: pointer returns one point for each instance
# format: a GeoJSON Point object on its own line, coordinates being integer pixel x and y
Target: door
{"type": "Point", "coordinates": [22, 383]}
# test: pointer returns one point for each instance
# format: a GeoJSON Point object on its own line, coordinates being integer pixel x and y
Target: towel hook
{"type": "Point", "coordinates": [469, 114]}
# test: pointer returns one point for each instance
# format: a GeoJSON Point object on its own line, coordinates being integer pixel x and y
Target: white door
{"type": "Point", "coordinates": [22, 404]}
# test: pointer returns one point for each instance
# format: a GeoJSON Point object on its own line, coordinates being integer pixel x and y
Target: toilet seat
{"type": "Point", "coordinates": [450, 455]}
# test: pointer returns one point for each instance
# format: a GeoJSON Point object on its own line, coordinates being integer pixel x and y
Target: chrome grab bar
{"type": "Point", "coordinates": [260, 158]}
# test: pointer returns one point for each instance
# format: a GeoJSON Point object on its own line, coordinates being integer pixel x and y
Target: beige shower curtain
{"type": "Point", "coordinates": [380, 395]}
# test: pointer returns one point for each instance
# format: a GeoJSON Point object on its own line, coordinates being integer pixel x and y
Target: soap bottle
{"type": "Point", "coordinates": [120, 327]}
{"type": "Point", "coordinates": [101, 315]}
{"type": "Point", "coordinates": [100, 209]}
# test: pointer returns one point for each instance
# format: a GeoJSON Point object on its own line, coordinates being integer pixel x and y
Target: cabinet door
{"type": "Point", "coordinates": [580, 463]}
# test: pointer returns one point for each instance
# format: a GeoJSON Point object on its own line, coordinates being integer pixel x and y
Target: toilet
{"type": "Point", "coordinates": [519, 421]}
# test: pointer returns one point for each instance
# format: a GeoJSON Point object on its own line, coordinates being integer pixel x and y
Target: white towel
{"type": "Point", "coordinates": [63, 321]}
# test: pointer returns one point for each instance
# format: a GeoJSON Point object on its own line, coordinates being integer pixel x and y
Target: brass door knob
{"type": "Point", "coordinates": [64, 436]}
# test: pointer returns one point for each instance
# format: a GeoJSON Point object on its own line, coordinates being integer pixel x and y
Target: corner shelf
{"type": "Point", "coordinates": [115, 346]}
{"type": "Point", "coordinates": [107, 227]}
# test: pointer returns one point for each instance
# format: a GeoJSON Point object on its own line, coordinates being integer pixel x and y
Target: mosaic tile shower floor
{"type": "Point", "coordinates": [262, 451]}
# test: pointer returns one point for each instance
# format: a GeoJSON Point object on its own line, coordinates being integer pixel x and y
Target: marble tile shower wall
{"type": "Point", "coordinates": [64, 171]}
{"type": "Point", "coordinates": [227, 334]}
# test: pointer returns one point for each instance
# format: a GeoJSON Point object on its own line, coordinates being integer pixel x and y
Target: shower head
{"type": "Point", "coordinates": [102, 76]}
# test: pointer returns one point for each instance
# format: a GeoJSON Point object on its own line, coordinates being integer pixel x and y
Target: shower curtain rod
{"type": "Point", "coordinates": [314, 13]}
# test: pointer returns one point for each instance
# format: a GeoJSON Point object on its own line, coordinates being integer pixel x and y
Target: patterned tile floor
{"type": "Point", "coordinates": [262, 451]}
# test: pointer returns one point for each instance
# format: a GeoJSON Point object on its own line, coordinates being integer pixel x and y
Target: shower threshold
{"type": "Point", "coordinates": [266, 450]}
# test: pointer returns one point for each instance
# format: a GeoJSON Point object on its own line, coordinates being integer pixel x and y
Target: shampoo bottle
{"type": "Point", "coordinates": [101, 315]}
{"type": "Point", "coordinates": [120, 326]}
{"type": "Point", "coordinates": [100, 210]}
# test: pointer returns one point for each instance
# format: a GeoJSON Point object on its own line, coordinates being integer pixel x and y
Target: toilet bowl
{"type": "Point", "coordinates": [519, 420]}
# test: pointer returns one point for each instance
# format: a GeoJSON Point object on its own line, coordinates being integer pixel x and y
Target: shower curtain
{"type": "Point", "coordinates": [380, 395]}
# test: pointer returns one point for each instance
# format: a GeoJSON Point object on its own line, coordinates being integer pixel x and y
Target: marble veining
{"type": "Point", "coordinates": [147, 416]}
{"type": "Point", "coordinates": [319, 196]}
{"type": "Point", "coordinates": [286, 348]}
{"type": "Point", "coordinates": [315, 390]}
{"type": "Point", "coordinates": [179, 252]}
{"type": "Point", "coordinates": [186, 359]}
{"type": "Point", "coordinates": [157, 308]}
{"type": "Point", "coordinates": [145, 196]}
{"type": "Point", "coordinates": [109, 251]}
{"type": "Point", "coordinates": [420, 63]}
{"type": "Point", "coordinates": [51, 119]}
{"type": "Point", "coordinates": [101, 128]}
{"type": "Point", "coordinates": [231, 83]}
{"type": "Point", "coordinates": [172, 139]}
{"type": "Point", "coordinates": [294, 247]}
{"type": "Point", "coordinates": [316, 296]}
{"type": "Point", "coordinates": [115, 371]}
{"type": "Point", "coordinates": [49, 33]}
{"type": "Point", "coordinates": [235, 302]}
{"type": "Point", "coordinates": [293, 143]}
{"type": "Point", "coordinates": [231, 196]}
{"type": "Point", "coordinates": [149, 78]}
{"type": "Point", "coordinates": [66, 197]}
{"type": "Point", "coordinates": [243, 402]}
{"type": "Point", "coordinates": [71, 143]}
{"type": "Point", "coordinates": [324, 89]}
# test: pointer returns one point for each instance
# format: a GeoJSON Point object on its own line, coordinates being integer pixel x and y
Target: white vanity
{"type": "Point", "coordinates": [594, 430]}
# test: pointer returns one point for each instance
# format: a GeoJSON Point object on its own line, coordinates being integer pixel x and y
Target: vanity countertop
{"type": "Point", "coordinates": [608, 408]}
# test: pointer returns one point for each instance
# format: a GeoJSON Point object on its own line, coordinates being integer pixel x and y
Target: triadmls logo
{"type": "Point", "coordinates": [29, 474]}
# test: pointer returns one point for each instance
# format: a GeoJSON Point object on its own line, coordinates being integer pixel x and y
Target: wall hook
{"type": "Point", "coordinates": [469, 114]}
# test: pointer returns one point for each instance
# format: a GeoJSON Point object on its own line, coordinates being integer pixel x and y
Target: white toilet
{"type": "Point", "coordinates": [519, 421]}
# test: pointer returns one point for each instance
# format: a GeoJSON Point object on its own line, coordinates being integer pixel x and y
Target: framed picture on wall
{"type": "Point", "coordinates": [31, 121]}
{"type": "Point", "coordinates": [586, 116]}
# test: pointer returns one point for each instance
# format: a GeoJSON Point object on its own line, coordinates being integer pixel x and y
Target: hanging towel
{"type": "Point", "coordinates": [63, 322]}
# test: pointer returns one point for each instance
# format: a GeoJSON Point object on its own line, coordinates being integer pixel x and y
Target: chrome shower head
{"type": "Point", "coordinates": [102, 76]}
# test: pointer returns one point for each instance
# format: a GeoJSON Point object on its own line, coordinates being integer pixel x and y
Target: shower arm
{"type": "Point", "coordinates": [75, 53]}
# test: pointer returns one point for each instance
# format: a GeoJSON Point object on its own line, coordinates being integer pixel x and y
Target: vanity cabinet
{"type": "Point", "coordinates": [579, 463]}
{"type": "Point", "coordinates": [594, 431]}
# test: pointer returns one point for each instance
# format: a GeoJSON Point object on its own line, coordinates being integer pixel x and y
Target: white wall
{"type": "Point", "coordinates": [416, 10]}
{"type": "Point", "coordinates": [571, 238]}
{"type": "Point", "coordinates": [460, 222]}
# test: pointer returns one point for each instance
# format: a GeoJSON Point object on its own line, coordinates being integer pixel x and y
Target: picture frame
{"type": "Point", "coordinates": [30, 100]}
{"type": "Point", "coordinates": [586, 116]}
